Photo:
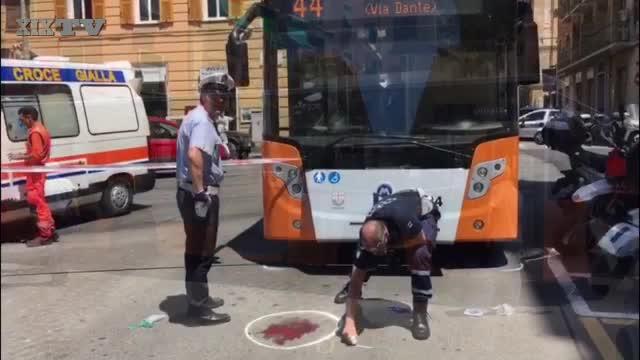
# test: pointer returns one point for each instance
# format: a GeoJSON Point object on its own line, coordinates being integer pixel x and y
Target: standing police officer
{"type": "Point", "coordinates": [199, 174]}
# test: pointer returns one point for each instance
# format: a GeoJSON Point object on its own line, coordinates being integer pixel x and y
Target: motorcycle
{"type": "Point", "coordinates": [608, 186]}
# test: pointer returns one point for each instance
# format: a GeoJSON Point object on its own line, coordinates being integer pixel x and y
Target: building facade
{"type": "Point", "coordinates": [543, 94]}
{"type": "Point", "coordinates": [169, 41]}
{"type": "Point", "coordinates": [597, 55]}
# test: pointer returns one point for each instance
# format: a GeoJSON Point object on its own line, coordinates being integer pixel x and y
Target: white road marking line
{"type": "Point", "coordinates": [315, 342]}
{"type": "Point", "coordinates": [619, 322]}
{"type": "Point", "coordinates": [601, 339]}
{"type": "Point", "coordinates": [520, 267]}
{"type": "Point", "coordinates": [273, 268]}
{"type": "Point", "coordinates": [578, 304]}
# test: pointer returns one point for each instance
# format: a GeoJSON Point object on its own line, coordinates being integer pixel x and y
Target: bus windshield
{"type": "Point", "coordinates": [445, 78]}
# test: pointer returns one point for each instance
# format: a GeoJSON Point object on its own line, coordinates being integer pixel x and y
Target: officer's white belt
{"type": "Point", "coordinates": [211, 190]}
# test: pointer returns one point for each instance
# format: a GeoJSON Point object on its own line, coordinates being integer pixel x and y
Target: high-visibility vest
{"type": "Point", "coordinates": [43, 154]}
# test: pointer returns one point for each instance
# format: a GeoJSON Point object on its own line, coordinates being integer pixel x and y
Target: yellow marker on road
{"type": "Point", "coordinates": [601, 339]}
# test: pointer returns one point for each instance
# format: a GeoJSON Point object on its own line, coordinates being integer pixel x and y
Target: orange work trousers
{"type": "Point", "coordinates": [36, 198]}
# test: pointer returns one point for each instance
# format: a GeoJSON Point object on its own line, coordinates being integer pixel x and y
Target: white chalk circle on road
{"type": "Point", "coordinates": [273, 331]}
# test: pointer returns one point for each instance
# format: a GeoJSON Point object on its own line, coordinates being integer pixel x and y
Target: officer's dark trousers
{"type": "Point", "coordinates": [201, 236]}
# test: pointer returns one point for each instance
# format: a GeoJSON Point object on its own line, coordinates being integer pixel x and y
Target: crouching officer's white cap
{"type": "Point", "coordinates": [215, 78]}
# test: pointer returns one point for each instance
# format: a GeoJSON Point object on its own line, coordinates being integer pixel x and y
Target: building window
{"type": "Point", "coordinates": [560, 99]}
{"type": "Point", "coordinates": [154, 89]}
{"type": "Point", "coordinates": [579, 97]}
{"type": "Point", "coordinates": [600, 83]}
{"type": "Point", "coordinates": [149, 10]}
{"type": "Point", "coordinates": [621, 87]}
{"type": "Point", "coordinates": [12, 13]}
{"type": "Point", "coordinates": [591, 95]}
{"type": "Point", "coordinates": [216, 9]}
{"type": "Point", "coordinates": [154, 97]}
{"type": "Point", "coordinates": [588, 15]}
{"type": "Point", "coordinates": [80, 9]}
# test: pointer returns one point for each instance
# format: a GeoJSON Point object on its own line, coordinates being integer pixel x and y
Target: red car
{"type": "Point", "coordinates": [163, 141]}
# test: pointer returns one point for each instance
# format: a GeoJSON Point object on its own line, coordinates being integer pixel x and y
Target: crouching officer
{"type": "Point", "coordinates": [408, 220]}
{"type": "Point", "coordinates": [199, 175]}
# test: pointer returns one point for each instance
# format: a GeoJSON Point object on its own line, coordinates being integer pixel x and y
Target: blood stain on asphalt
{"type": "Point", "coordinates": [289, 330]}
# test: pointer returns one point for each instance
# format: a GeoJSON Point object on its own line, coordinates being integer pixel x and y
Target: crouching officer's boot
{"type": "Point", "coordinates": [341, 297]}
{"type": "Point", "coordinates": [420, 327]}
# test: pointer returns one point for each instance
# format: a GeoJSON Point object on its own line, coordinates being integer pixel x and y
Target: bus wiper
{"type": "Point", "coordinates": [406, 140]}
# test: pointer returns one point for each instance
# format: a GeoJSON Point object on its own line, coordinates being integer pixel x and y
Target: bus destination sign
{"type": "Point", "coordinates": [400, 8]}
{"type": "Point", "coordinates": [359, 9]}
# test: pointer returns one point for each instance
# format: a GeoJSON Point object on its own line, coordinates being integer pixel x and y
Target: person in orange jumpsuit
{"type": "Point", "coordinates": [38, 151]}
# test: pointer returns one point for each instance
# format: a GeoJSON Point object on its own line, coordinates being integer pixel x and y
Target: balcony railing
{"type": "Point", "coordinates": [595, 37]}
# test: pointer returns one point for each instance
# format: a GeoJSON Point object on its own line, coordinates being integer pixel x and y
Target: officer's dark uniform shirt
{"type": "Point", "coordinates": [401, 213]}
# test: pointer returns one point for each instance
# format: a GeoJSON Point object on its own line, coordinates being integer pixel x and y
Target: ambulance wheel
{"type": "Point", "coordinates": [117, 197]}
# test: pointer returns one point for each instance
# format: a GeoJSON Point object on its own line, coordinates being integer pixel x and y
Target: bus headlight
{"type": "Point", "coordinates": [296, 188]}
{"type": "Point", "coordinates": [290, 176]}
{"type": "Point", "coordinates": [478, 187]}
{"type": "Point", "coordinates": [483, 174]}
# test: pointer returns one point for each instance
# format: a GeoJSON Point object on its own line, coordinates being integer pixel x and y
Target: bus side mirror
{"type": "Point", "coordinates": [238, 62]}
{"type": "Point", "coordinates": [527, 51]}
{"type": "Point", "coordinates": [528, 54]}
{"type": "Point", "coordinates": [237, 50]}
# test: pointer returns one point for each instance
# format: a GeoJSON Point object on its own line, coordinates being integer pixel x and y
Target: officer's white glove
{"type": "Point", "coordinates": [201, 203]}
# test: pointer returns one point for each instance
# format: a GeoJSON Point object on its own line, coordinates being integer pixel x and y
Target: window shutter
{"type": "Point", "coordinates": [166, 10]}
{"type": "Point", "coordinates": [237, 8]}
{"type": "Point", "coordinates": [61, 9]}
{"type": "Point", "coordinates": [126, 12]}
{"type": "Point", "coordinates": [195, 10]}
{"type": "Point", "coordinates": [98, 9]}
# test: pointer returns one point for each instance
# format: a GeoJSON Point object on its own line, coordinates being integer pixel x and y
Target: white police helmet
{"type": "Point", "coordinates": [212, 77]}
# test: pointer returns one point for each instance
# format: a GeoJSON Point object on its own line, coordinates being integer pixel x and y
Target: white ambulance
{"type": "Point", "coordinates": [95, 117]}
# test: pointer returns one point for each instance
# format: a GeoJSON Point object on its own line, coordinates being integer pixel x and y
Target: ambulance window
{"type": "Point", "coordinates": [58, 111]}
{"type": "Point", "coordinates": [53, 102]}
{"type": "Point", "coordinates": [109, 109]}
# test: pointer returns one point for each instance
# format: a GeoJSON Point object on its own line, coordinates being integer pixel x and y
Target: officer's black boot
{"type": "Point", "coordinates": [341, 297]}
{"type": "Point", "coordinates": [200, 303]}
{"type": "Point", "coordinates": [420, 327]}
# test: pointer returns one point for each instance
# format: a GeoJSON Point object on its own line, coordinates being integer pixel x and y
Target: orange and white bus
{"type": "Point", "coordinates": [364, 98]}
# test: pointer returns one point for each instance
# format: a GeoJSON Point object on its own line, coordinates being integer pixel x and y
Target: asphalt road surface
{"type": "Point", "coordinates": [78, 299]}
